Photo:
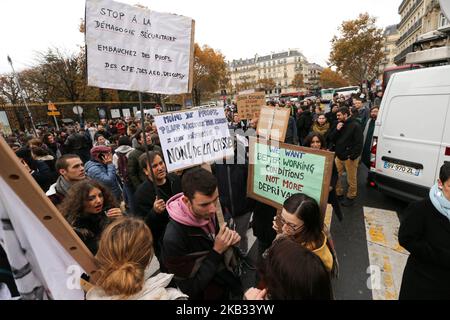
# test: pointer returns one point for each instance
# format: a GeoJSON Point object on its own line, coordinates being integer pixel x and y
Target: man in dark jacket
{"type": "Point", "coordinates": [78, 144]}
{"type": "Point", "coordinates": [348, 138]}
{"type": "Point", "coordinates": [149, 203]}
{"type": "Point", "coordinates": [193, 247]}
{"type": "Point", "coordinates": [135, 173]}
{"type": "Point", "coordinates": [304, 124]}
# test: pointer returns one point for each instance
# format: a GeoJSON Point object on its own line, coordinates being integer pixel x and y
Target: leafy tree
{"type": "Point", "coordinates": [8, 89]}
{"type": "Point", "coordinates": [210, 72]}
{"type": "Point", "coordinates": [331, 79]}
{"type": "Point", "coordinates": [266, 84]}
{"type": "Point", "coordinates": [298, 81]}
{"type": "Point", "coordinates": [357, 52]}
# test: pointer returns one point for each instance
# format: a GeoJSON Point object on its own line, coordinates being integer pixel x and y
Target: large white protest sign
{"type": "Point", "coordinates": [194, 137]}
{"type": "Point", "coordinates": [130, 48]}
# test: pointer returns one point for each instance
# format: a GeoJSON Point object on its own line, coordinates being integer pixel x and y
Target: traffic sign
{"type": "Point", "coordinates": [51, 107]}
{"type": "Point", "coordinates": [77, 110]}
{"type": "Point", "coordinates": [54, 113]}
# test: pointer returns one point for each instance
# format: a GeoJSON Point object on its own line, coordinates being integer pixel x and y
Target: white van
{"type": "Point", "coordinates": [412, 133]}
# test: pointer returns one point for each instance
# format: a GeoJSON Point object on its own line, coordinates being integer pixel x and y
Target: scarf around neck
{"type": "Point", "coordinates": [62, 185]}
{"type": "Point", "coordinates": [439, 201]}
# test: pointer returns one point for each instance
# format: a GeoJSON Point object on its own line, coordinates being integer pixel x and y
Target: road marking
{"type": "Point", "coordinates": [387, 258]}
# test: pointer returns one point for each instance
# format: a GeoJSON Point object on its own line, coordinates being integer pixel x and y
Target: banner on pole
{"type": "Point", "coordinates": [136, 49]}
{"type": "Point", "coordinates": [279, 170]}
{"type": "Point", "coordinates": [194, 137]}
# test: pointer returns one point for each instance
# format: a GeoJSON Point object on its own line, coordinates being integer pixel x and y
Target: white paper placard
{"type": "Point", "coordinates": [126, 113]}
{"type": "Point", "coordinates": [115, 113]}
{"type": "Point", "coordinates": [135, 49]}
{"type": "Point", "coordinates": [194, 137]}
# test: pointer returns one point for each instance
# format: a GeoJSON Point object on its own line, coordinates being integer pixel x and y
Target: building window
{"type": "Point", "coordinates": [443, 21]}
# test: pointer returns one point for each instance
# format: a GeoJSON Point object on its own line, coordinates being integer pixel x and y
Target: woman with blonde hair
{"type": "Point", "coordinates": [127, 266]}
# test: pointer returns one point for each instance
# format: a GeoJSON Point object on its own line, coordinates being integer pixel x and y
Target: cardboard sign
{"type": "Point", "coordinates": [273, 123]}
{"type": "Point", "coordinates": [249, 105]}
{"type": "Point", "coordinates": [194, 137]}
{"type": "Point", "coordinates": [135, 49]}
{"type": "Point", "coordinates": [280, 170]}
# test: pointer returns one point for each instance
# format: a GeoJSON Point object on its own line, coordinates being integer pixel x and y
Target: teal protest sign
{"type": "Point", "coordinates": [279, 170]}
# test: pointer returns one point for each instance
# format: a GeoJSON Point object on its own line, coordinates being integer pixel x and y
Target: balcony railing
{"type": "Point", "coordinates": [405, 18]}
{"type": "Point", "coordinates": [403, 54]}
{"type": "Point", "coordinates": [411, 30]}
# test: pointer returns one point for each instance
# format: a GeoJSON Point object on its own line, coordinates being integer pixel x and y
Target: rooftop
{"type": "Point", "coordinates": [273, 56]}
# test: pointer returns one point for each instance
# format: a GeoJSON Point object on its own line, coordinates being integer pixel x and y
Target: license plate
{"type": "Point", "coordinates": [402, 168]}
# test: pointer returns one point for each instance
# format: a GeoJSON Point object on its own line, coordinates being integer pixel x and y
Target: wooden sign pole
{"type": "Point", "coordinates": [26, 188]}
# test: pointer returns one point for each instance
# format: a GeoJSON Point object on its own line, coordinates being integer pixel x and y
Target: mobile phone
{"type": "Point", "coordinates": [105, 210]}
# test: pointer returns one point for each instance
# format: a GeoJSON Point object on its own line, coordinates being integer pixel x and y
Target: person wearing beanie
{"type": "Point", "coordinates": [101, 168]}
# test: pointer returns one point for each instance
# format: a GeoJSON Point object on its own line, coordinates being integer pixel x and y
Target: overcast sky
{"type": "Point", "coordinates": [238, 28]}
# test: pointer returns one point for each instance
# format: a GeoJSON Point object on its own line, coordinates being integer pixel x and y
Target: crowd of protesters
{"type": "Point", "coordinates": [156, 235]}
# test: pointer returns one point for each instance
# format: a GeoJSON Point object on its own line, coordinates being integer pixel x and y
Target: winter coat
{"type": "Point", "coordinates": [155, 287]}
{"type": "Point", "coordinates": [232, 185]}
{"type": "Point", "coordinates": [187, 252]}
{"type": "Point", "coordinates": [304, 124]}
{"type": "Point", "coordinates": [425, 233]}
{"type": "Point", "coordinates": [348, 141]}
{"type": "Point", "coordinates": [321, 129]}
{"type": "Point", "coordinates": [105, 174]}
{"type": "Point", "coordinates": [89, 228]}
{"type": "Point", "coordinates": [144, 198]}
{"type": "Point", "coordinates": [291, 132]}
{"type": "Point", "coordinates": [77, 144]}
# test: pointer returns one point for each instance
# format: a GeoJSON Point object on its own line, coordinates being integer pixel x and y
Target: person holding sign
{"type": "Point", "coordinates": [194, 246]}
{"type": "Point", "coordinates": [301, 220]}
{"type": "Point", "coordinates": [150, 203]}
{"type": "Point", "coordinates": [89, 207]}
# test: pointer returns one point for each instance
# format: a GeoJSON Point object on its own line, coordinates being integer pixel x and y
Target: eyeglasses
{"type": "Point", "coordinates": [291, 226]}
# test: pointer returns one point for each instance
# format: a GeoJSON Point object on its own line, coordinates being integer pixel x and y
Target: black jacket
{"type": "Point", "coordinates": [425, 233]}
{"type": "Point", "coordinates": [89, 228]}
{"type": "Point", "coordinates": [304, 124]}
{"type": "Point", "coordinates": [199, 270]}
{"type": "Point", "coordinates": [232, 185]}
{"type": "Point", "coordinates": [77, 144]}
{"type": "Point", "coordinates": [348, 141]}
{"type": "Point", "coordinates": [144, 198]}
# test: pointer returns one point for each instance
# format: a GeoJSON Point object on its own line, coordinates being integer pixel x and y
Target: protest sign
{"type": "Point", "coordinates": [31, 223]}
{"type": "Point", "coordinates": [115, 113]}
{"type": "Point", "coordinates": [249, 105]}
{"type": "Point", "coordinates": [194, 137]}
{"type": "Point", "coordinates": [279, 170]}
{"type": "Point", "coordinates": [273, 123]}
{"type": "Point", "coordinates": [131, 48]}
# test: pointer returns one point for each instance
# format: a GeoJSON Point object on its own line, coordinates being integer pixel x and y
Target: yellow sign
{"type": "Point", "coordinates": [51, 107]}
{"type": "Point", "coordinates": [54, 113]}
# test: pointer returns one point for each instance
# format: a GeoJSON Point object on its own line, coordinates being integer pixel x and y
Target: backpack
{"type": "Point", "coordinates": [122, 164]}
